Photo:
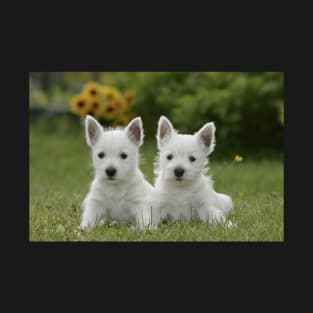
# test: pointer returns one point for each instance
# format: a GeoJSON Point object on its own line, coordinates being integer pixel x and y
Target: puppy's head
{"type": "Point", "coordinates": [182, 158]}
{"type": "Point", "coordinates": [114, 151]}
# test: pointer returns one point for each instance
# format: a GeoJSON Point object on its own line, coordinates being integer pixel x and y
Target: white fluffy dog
{"type": "Point", "coordinates": [119, 190]}
{"type": "Point", "coordinates": [182, 189]}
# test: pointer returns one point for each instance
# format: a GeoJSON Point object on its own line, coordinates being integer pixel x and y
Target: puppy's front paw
{"type": "Point", "coordinates": [217, 216]}
{"type": "Point", "coordinates": [143, 220]}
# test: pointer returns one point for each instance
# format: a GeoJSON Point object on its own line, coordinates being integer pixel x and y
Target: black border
{"type": "Point", "coordinates": [253, 37]}
{"type": "Point", "coordinates": [242, 275]}
{"type": "Point", "coordinates": [223, 55]}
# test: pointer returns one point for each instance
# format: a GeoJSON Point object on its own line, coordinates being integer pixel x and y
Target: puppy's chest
{"type": "Point", "coordinates": [181, 200]}
{"type": "Point", "coordinates": [118, 204]}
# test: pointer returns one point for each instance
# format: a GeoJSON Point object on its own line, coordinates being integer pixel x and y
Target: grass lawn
{"type": "Point", "coordinates": [60, 174]}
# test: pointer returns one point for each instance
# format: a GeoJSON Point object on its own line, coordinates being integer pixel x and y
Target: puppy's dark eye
{"type": "Point", "coordinates": [124, 155]}
{"type": "Point", "coordinates": [101, 155]}
{"type": "Point", "coordinates": [170, 157]}
{"type": "Point", "coordinates": [192, 158]}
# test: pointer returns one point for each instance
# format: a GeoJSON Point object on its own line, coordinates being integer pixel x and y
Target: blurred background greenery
{"type": "Point", "coordinates": [247, 107]}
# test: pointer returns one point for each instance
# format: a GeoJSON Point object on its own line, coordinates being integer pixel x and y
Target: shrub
{"type": "Point", "coordinates": [246, 107]}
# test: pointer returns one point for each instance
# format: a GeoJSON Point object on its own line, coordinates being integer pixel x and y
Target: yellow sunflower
{"type": "Point", "coordinates": [97, 105]}
{"type": "Point", "coordinates": [102, 97]}
{"type": "Point", "coordinates": [80, 104]}
{"type": "Point", "coordinates": [94, 112]}
{"type": "Point", "coordinates": [92, 89]}
{"type": "Point", "coordinates": [110, 111]}
{"type": "Point", "coordinates": [110, 93]}
{"type": "Point", "coordinates": [121, 105]}
{"type": "Point", "coordinates": [129, 96]}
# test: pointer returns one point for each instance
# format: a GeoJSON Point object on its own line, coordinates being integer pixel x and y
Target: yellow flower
{"type": "Point", "coordinates": [129, 97]}
{"type": "Point", "coordinates": [94, 112]}
{"type": "Point", "coordinates": [114, 104]}
{"type": "Point", "coordinates": [281, 115]}
{"type": "Point", "coordinates": [97, 106]}
{"type": "Point", "coordinates": [103, 101]}
{"type": "Point", "coordinates": [110, 93]}
{"type": "Point", "coordinates": [121, 105]}
{"type": "Point", "coordinates": [102, 98]}
{"type": "Point", "coordinates": [80, 104]}
{"type": "Point", "coordinates": [92, 89]}
{"type": "Point", "coordinates": [238, 158]}
{"type": "Point", "coordinates": [109, 112]}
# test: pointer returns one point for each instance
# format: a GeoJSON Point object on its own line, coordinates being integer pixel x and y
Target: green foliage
{"type": "Point", "coordinates": [244, 106]}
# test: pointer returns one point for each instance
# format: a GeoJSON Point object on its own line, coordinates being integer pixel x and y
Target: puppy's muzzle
{"type": "Point", "coordinates": [179, 172]}
{"type": "Point", "coordinates": [111, 171]}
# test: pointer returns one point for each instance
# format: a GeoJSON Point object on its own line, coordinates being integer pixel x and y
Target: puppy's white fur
{"type": "Point", "coordinates": [123, 197]}
{"type": "Point", "coordinates": [192, 194]}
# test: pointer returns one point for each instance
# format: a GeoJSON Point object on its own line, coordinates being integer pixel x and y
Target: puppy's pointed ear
{"type": "Point", "coordinates": [93, 130]}
{"type": "Point", "coordinates": [134, 131]}
{"type": "Point", "coordinates": [206, 137]}
{"type": "Point", "coordinates": [165, 131]}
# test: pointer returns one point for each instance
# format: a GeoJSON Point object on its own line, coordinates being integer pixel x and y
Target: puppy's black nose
{"type": "Point", "coordinates": [179, 171]}
{"type": "Point", "coordinates": [110, 171]}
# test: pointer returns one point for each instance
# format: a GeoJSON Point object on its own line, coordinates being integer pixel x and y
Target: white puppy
{"type": "Point", "coordinates": [119, 190]}
{"type": "Point", "coordinates": [182, 189]}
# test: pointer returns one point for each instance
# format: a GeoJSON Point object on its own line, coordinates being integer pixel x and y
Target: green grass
{"type": "Point", "coordinates": [60, 174]}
